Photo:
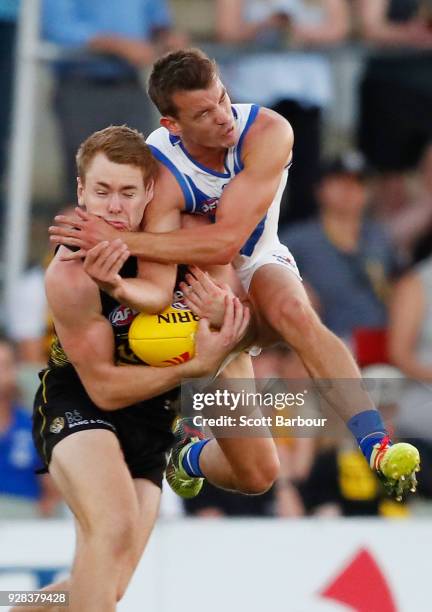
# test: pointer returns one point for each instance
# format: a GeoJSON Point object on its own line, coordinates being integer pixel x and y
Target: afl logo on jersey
{"type": "Point", "coordinates": [121, 316]}
{"type": "Point", "coordinates": [57, 425]}
{"type": "Point", "coordinates": [178, 303]}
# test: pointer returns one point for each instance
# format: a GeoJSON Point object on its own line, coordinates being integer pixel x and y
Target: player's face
{"type": "Point", "coordinates": [204, 117]}
{"type": "Point", "coordinates": [115, 192]}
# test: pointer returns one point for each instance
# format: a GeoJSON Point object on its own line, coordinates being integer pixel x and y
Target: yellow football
{"type": "Point", "coordinates": [164, 339]}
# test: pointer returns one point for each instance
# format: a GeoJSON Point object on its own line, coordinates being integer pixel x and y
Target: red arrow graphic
{"type": "Point", "coordinates": [363, 586]}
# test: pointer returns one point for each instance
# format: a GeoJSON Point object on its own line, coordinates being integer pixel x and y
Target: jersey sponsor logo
{"type": "Point", "coordinates": [286, 260]}
{"type": "Point", "coordinates": [121, 316]}
{"type": "Point", "coordinates": [75, 419]}
{"type": "Point", "coordinates": [57, 425]}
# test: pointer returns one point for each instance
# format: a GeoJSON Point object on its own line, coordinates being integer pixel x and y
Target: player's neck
{"type": "Point", "coordinates": [212, 158]}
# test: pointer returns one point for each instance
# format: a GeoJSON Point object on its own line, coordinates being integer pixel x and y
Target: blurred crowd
{"type": "Point", "coordinates": [359, 222]}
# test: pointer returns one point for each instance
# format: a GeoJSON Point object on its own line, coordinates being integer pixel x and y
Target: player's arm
{"type": "Point", "coordinates": [245, 201]}
{"type": "Point", "coordinates": [162, 215]}
{"type": "Point", "coordinates": [87, 338]}
{"type": "Point", "coordinates": [152, 290]}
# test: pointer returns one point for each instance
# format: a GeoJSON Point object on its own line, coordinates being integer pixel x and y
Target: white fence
{"type": "Point", "coordinates": [249, 565]}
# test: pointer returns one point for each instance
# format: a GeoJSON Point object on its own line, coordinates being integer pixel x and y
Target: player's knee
{"type": "Point", "coordinates": [261, 477]}
{"type": "Point", "coordinates": [122, 542]}
{"type": "Point", "coordinates": [115, 532]}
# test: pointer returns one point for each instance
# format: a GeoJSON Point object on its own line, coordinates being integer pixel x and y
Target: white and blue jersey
{"type": "Point", "coordinates": [202, 188]}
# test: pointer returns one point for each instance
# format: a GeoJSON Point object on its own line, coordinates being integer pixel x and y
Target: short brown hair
{"type": "Point", "coordinates": [122, 145]}
{"type": "Point", "coordinates": [183, 70]}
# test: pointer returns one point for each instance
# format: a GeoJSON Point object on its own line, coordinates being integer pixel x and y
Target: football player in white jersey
{"type": "Point", "coordinates": [231, 160]}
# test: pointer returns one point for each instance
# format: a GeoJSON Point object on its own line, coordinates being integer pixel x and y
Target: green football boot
{"type": "Point", "coordinates": [185, 434]}
{"type": "Point", "coordinates": [396, 466]}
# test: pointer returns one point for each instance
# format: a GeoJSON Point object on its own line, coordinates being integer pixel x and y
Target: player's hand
{"type": "Point", "coordinates": [212, 347]}
{"type": "Point", "coordinates": [84, 231]}
{"type": "Point", "coordinates": [103, 264]}
{"type": "Point", "coordinates": [205, 297]}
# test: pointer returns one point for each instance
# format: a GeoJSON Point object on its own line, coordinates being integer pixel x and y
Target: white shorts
{"type": "Point", "coordinates": [247, 266]}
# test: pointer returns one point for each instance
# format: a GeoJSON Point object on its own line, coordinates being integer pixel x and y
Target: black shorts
{"type": "Point", "coordinates": [63, 408]}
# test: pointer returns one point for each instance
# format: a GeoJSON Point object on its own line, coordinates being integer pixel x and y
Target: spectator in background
{"type": "Point", "coordinates": [22, 493]}
{"type": "Point", "coordinates": [345, 258]}
{"type": "Point", "coordinates": [298, 84]}
{"type": "Point", "coordinates": [410, 224]}
{"type": "Point", "coordinates": [395, 122]}
{"type": "Point", "coordinates": [8, 17]}
{"type": "Point", "coordinates": [109, 42]}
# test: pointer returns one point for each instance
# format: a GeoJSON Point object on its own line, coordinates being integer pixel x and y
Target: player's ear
{"type": "Point", "coordinates": [149, 190]}
{"type": "Point", "coordinates": [171, 125]}
{"type": "Point", "coordinates": [80, 191]}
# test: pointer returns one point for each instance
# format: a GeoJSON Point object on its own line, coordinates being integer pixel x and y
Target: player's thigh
{"type": "Point", "coordinates": [148, 497]}
{"type": "Point", "coordinates": [275, 290]}
{"type": "Point", "coordinates": [90, 472]}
